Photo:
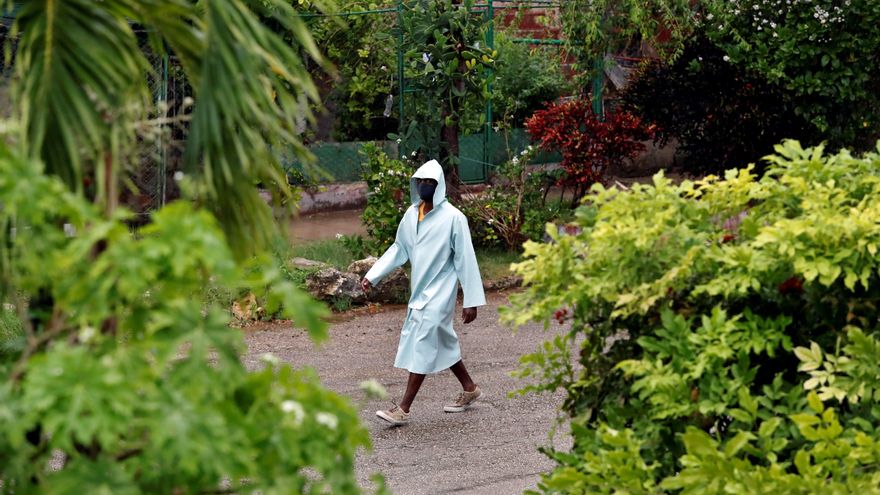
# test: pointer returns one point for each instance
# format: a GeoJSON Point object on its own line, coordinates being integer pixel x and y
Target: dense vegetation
{"type": "Point", "coordinates": [724, 332]}
{"type": "Point", "coordinates": [117, 374]}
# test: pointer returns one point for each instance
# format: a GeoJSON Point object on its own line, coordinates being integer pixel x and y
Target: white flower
{"type": "Point", "coordinates": [327, 419]}
{"type": "Point", "coordinates": [426, 58]}
{"type": "Point", "coordinates": [413, 154]}
{"type": "Point", "coordinates": [399, 140]}
{"type": "Point", "coordinates": [709, 16]}
{"type": "Point", "coordinates": [178, 176]}
{"type": "Point", "coordinates": [269, 358]}
{"type": "Point", "coordinates": [726, 58]}
{"type": "Point", "coordinates": [515, 161]}
{"type": "Point", "coordinates": [86, 334]}
{"type": "Point", "coordinates": [294, 408]}
{"type": "Point", "coordinates": [384, 68]}
{"type": "Point", "coordinates": [339, 236]}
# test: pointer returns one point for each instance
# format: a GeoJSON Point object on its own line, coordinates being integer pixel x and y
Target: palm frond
{"type": "Point", "coordinates": [80, 85]}
{"type": "Point", "coordinates": [252, 88]}
{"type": "Point", "coordinates": [78, 74]}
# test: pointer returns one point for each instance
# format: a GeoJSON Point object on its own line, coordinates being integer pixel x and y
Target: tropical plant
{"type": "Point", "coordinates": [514, 97]}
{"type": "Point", "coordinates": [594, 28]}
{"type": "Point", "coordinates": [589, 145]}
{"type": "Point", "coordinates": [720, 115]}
{"type": "Point", "coordinates": [513, 209]}
{"type": "Point", "coordinates": [822, 51]}
{"type": "Point", "coordinates": [388, 195]}
{"type": "Point", "coordinates": [119, 376]}
{"type": "Point", "coordinates": [448, 68]}
{"type": "Point", "coordinates": [79, 102]}
{"type": "Point", "coordinates": [726, 331]}
{"type": "Point", "coordinates": [357, 38]}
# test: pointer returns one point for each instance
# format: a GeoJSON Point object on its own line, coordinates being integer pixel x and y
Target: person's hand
{"type": "Point", "coordinates": [468, 315]}
{"type": "Point", "coordinates": [366, 285]}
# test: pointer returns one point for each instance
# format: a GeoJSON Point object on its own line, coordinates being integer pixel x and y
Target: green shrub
{"type": "Point", "coordinates": [514, 97]}
{"type": "Point", "coordinates": [727, 332]}
{"type": "Point", "coordinates": [129, 380]}
{"type": "Point", "coordinates": [721, 115]}
{"type": "Point", "coordinates": [513, 209]}
{"type": "Point", "coordinates": [388, 195]}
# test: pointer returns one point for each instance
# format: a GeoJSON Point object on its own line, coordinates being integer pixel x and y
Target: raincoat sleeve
{"type": "Point", "coordinates": [465, 261]}
{"type": "Point", "coordinates": [395, 256]}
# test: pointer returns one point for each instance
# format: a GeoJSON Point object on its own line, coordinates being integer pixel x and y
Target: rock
{"type": "Point", "coordinates": [304, 263]}
{"type": "Point", "coordinates": [503, 283]}
{"type": "Point", "coordinates": [247, 308]}
{"type": "Point", "coordinates": [329, 284]}
{"type": "Point", "coordinates": [393, 289]}
{"type": "Point", "coordinates": [361, 267]}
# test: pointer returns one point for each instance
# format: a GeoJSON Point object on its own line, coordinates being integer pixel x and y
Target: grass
{"type": "Point", "coordinates": [330, 251]}
{"type": "Point", "coordinates": [495, 263]}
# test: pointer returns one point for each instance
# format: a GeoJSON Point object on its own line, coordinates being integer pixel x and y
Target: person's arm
{"type": "Point", "coordinates": [465, 261]}
{"type": "Point", "coordinates": [395, 256]}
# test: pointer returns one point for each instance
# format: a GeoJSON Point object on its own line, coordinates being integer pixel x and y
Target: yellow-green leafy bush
{"type": "Point", "coordinates": [726, 331]}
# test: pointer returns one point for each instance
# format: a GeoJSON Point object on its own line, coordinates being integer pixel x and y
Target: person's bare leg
{"type": "Point", "coordinates": [461, 373]}
{"type": "Point", "coordinates": [413, 384]}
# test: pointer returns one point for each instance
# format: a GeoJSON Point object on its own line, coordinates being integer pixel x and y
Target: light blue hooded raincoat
{"type": "Point", "coordinates": [441, 255]}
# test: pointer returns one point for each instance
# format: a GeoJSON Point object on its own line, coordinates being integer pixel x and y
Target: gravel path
{"type": "Point", "coordinates": [489, 449]}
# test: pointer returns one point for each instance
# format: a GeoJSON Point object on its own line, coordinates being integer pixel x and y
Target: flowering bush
{"type": "Point", "coordinates": [387, 195]}
{"type": "Point", "coordinates": [588, 145]}
{"type": "Point", "coordinates": [513, 209]}
{"type": "Point", "coordinates": [721, 115]}
{"type": "Point", "coordinates": [823, 51]}
{"type": "Point", "coordinates": [726, 332]}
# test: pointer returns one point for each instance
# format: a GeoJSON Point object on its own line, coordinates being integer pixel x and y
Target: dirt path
{"type": "Point", "coordinates": [490, 449]}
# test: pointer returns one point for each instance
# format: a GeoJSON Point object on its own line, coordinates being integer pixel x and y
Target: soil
{"type": "Point", "coordinates": [492, 448]}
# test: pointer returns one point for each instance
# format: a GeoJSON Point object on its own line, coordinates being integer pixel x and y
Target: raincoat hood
{"type": "Point", "coordinates": [430, 170]}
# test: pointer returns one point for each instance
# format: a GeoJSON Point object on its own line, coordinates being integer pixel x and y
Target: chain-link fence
{"type": "Point", "coordinates": [160, 158]}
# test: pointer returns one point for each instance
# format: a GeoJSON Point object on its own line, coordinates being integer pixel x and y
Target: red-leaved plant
{"type": "Point", "coordinates": [589, 146]}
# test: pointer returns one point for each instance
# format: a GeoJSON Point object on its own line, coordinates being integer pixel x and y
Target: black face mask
{"type": "Point", "coordinates": [426, 191]}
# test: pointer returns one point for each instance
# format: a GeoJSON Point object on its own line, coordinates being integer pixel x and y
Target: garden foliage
{"type": "Point", "coordinates": [824, 52]}
{"type": "Point", "coordinates": [514, 208]}
{"type": "Point", "coordinates": [515, 97]}
{"type": "Point", "coordinates": [363, 51]}
{"type": "Point", "coordinates": [119, 375]}
{"type": "Point", "coordinates": [589, 145]}
{"type": "Point", "coordinates": [123, 383]}
{"type": "Point", "coordinates": [724, 333]}
{"type": "Point", "coordinates": [388, 195]}
{"type": "Point", "coordinates": [449, 66]}
{"type": "Point", "coordinates": [595, 28]}
{"type": "Point", "coordinates": [721, 115]}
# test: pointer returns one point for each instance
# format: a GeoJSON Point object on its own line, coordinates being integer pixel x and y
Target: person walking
{"type": "Point", "coordinates": [434, 237]}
